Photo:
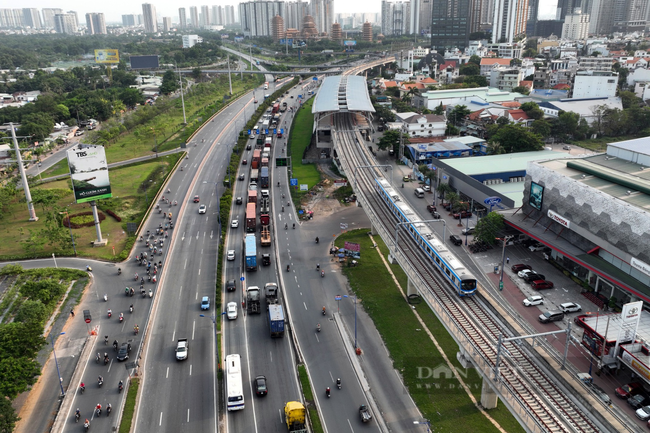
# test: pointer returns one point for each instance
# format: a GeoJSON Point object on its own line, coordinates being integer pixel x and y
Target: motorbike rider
{"type": "Point", "coordinates": [115, 344]}
{"type": "Point", "coordinates": [121, 316]}
{"type": "Point", "coordinates": [98, 409]}
{"type": "Point", "coordinates": [317, 266]}
{"type": "Point", "coordinates": [120, 385]}
{"type": "Point", "coordinates": [119, 271]}
{"type": "Point", "coordinates": [131, 308]}
{"type": "Point", "coordinates": [109, 408]}
{"type": "Point", "coordinates": [316, 239]}
{"type": "Point", "coordinates": [327, 391]}
{"type": "Point", "coordinates": [82, 387]}
{"type": "Point", "coordinates": [294, 225]}
{"type": "Point", "coordinates": [100, 379]}
{"type": "Point", "coordinates": [324, 310]}
{"type": "Point", "coordinates": [318, 327]}
{"type": "Point", "coordinates": [106, 339]}
{"type": "Point", "coordinates": [338, 383]}
{"type": "Point", "coordinates": [110, 313]}
{"type": "Point", "coordinates": [285, 226]}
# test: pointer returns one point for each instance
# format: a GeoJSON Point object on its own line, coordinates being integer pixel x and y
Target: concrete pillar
{"type": "Point", "coordinates": [464, 360]}
{"type": "Point", "coordinates": [373, 230]}
{"type": "Point", "coordinates": [489, 398]}
{"type": "Point", "coordinates": [411, 289]}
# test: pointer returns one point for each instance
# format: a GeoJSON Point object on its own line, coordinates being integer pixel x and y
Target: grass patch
{"type": "Point", "coordinates": [314, 417]}
{"type": "Point", "coordinates": [441, 400]}
{"type": "Point", "coordinates": [600, 144]}
{"type": "Point", "coordinates": [129, 406]}
{"type": "Point", "coordinates": [299, 141]}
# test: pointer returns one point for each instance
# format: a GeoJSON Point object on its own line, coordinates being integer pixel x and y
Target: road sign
{"type": "Point", "coordinates": [241, 278]}
{"type": "Point", "coordinates": [500, 285]}
{"type": "Point", "coordinates": [87, 317]}
{"type": "Point", "coordinates": [337, 297]}
{"type": "Point", "coordinates": [281, 130]}
{"type": "Point", "coordinates": [275, 131]}
{"type": "Point", "coordinates": [249, 132]}
{"type": "Point", "coordinates": [293, 182]}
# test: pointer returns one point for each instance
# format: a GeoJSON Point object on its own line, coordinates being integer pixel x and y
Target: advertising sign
{"type": "Point", "coordinates": [349, 43]}
{"type": "Point", "coordinates": [536, 195]}
{"type": "Point", "coordinates": [89, 172]}
{"type": "Point", "coordinates": [107, 56]}
{"type": "Point", "coordinates": [239, 38]}
{"type": "Point", "coordinates": [144, 62]}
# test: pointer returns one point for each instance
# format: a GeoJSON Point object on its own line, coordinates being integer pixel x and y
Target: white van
{"type": "Point", "coordinates": [419, 192]}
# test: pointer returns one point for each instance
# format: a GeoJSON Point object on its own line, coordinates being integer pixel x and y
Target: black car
{"type": "Point", "coordinates": [260, 385]}
{"type": "Point", "coordinates": [266, 259]}
{"type": "Point", "coordinates": [531, 276]}
{"type": "Point", "coordinates": [123, 353]}
{"type": "Point", "coordinates": [230, 286]}
{"type": "Point", "coordinates": [248, 147]}
{"type": "Point", "coordinates": [638, 400]}
{"type": "Point", "coordinates": [455, 240]}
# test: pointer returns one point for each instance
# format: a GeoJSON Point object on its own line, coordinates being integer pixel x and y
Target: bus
{"type": "Point", "coordinates": [234, 383]}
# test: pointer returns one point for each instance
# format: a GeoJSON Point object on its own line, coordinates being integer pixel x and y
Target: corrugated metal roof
{"type": "Point", "coordinates": [342, 93]}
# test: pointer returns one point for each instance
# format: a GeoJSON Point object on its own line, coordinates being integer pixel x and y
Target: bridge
{"type": "Point", "coordinates": [524, 379]}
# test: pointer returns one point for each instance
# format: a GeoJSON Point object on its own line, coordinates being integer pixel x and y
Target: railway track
{"type": "Point", "coordinates": [536, 392]}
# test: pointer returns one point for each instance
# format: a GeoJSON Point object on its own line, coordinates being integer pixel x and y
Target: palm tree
{"type": "Point", "coordinates": [444, 189]}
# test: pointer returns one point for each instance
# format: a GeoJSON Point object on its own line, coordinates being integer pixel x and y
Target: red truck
{"type": "Point", "coordinates": [251, 218]}
{"type": "Point", "coordinates": [255, 163]}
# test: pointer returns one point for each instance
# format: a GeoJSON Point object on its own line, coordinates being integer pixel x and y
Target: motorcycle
{"type": "Point", "coordinates": [98, 411]}
{"type": "Point", "coordinates": [105, 297]}
{"type": "Point", "coordinates": [287, 268]}
{"type": "Point", "coordinates": [338, 383]}
{"type": "Point", "coordinates": [100, 382]}
{"type": "Point", "coordinates": [119, 271]}
{"type": "Point", "coordinates": [136, 330]}
{"type": "Point", "coordinates": [150, 293]}
{"type": "Point", "coordinates": [97, 358]}
{"type": "Point", "coordinates": [82, 388]}
{"type": "Point", "coordinates": [120, 387]}
{"type": "Point", "coordinates": [87, 425]}
{"type": "Point", "coordinates": [106, 359]}
{"type": "Point", "coordinates": [76, 417]}
{"type": "Point", "coordinates": [324, 311]}
{"type": "Point", "coordinates": [108, 410]}
{"type": "Point", "coordinates": [106, 340]}
{"type": "Point", "coordinates": [121, 318]}
{"type": "Point", "coordinates": [115, 345]}
{"type": "Point", "coordinates": [136, 277]}
{"type": "Point", "coordinates": [110, 313]}
{"type": "Point", "coordinates": [144, 294]}
{"type": "Point", "coordinates": [318, 327]}
{"type": "Point", "coordinates": [327, 392]}
{"type": "Point", "coordinates": [316, 240]}
{"type": "Point", "coordinates": [131, 308]}
{"type": "Point", "coordinates": [89, 269]}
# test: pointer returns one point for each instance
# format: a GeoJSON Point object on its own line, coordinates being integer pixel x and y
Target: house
{"type": "Point", "coordinates": [476, 123]}
{"type": "Point", "coordinates": [636, 63]}
{"type": "Point", "coordinates": [405, 88]}
{"type": "Point", "coordinates": [518, 117]}
{"type": "Point", "coordinates": [488, 64]}
{"type": "Point", "coordinates": [505, 79]}
{"type": "Point", "coordinates": [423, 125]}
{"type": "Point", "coordinates": [448, 71]}
{"type": "Point", "coordinates": [427, 81]}
{"type": "Point", "coordinates": [386, 84]}
{"type": "Point", "coordinates": [583, 107]}
{"type": "Point", "coordinates": [528, 84]}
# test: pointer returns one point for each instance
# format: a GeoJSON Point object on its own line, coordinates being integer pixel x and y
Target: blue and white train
{"type": "Point", "coordinates": [460, 278]}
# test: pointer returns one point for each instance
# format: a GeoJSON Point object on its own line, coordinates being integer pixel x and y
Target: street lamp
{"type": "Point", "coordinates": [70, 229]}
{"type": "Point", "coordinates": [426, 421]}
{"type": "Point", "coordinates": [355, 318]}
{"type": "Point", "coordinates": [58, 372]}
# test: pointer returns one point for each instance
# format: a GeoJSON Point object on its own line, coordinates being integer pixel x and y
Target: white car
{"type": "Point", "coordinates": [230, 255]}
{"type": "Point", "coordinates": [202, 208]}
{"type": "Point", "coordinates": [231, 310]}
{"type": "Point", "coordinates": [538, 247]}
{"type": "Point", "coordinates": [523, 272]}
{"type": "Point", "coordinates": [234, 224]}
{"type": "Point", "coordinates": [570, 307]}
{"type": "Point", "coordinates": [643, 413]}
{"type": "Point", "coordinates": [426, 188]}
{"type": "Point", "coordinates": [533, 300]}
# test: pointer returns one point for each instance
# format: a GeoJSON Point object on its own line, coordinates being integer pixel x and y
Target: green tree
{"type": "Point", "coordinates": [31, 311]}
{"type": "Point", "coordinates": [46, 291]}
{"type": "Point", "coordinates": [516, 138]}
{"type": "Point", "coordinates": [541, 127]}
{"type": "Point", "coordinates": [475, 81]}
{"type": "Point", "coordinates": [444, 189]}
{"type": "Point", "coordinates": [469, 69]}
{"type": "Point", "coordinates": [8, 417]}
{"type": "Point", "coordinates": [458, 114]}
{"type": "Point", "coordinates": [629, 99]}
{"type": "Point", "coordinates": [452, 130]}
{"type": "Point", "coordinates": [566, 124]}
{"type": "Point", "coordinates": [515, 62]}
{"type": "Point", "coordinates": [532, 110]}
{"type": "Point", "coordinates": [44, 197]}
{"type": "Point", "coordinates": [169, 83]}
{"type": "Point", "coordinates": [521, 89]}
{"type": "Point", "coordinates": [440, 110]}
{"type": "Point", "coordinates": [489, 228]}
{"type": "Point", "coordinates": [475, 59]}
{"type": "Point", "coordinates": [36, 125]}
{"type": "Point", "coordinates": [453, 199]}
{"type": "Point", "coordinates": [34, 243]}
{"type": "Point", "coordinates": [390, 140]}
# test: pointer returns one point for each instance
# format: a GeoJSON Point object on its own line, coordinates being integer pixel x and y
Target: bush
{"type": "Point", "coordinates": [111, 213]}
{"type": "Point", "coordinates": [83, 219]}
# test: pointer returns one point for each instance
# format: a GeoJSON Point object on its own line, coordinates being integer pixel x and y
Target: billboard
{"type": "Point", "coordinates": [107, 56]}
{"type": "Point", "coordinates": [144, 62]}
{"type": "Point", "coordinates": [536, 195]}
{"type": "Point", "coordinates": [349, 43]}
{"type": "Point", "coordinates": [89, 172]}
{"type": "Point", "coordinates": [239, 38]}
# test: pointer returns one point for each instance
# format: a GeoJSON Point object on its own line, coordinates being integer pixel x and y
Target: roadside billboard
{"type": "Point", "coordinates": [89, 172]}
{"type": "Point", "coordinates": [349, 43]}
{"type": "Point", "coordinates": [107, 56]}
{"type": "Point", "coordinates": [144, 62]}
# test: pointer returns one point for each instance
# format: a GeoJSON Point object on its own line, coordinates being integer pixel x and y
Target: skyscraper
{"type": "Point", "coordinates": [510, 17]}
{"type": "Point", "coordinates": [129, 20]}
{"type": "Point", "coordinates": [230, 15]}
{"type": "Point", "coordinates": [95, 24]}
{"type": "Point", "coordinates": [255, 16]}
{"type": "Point", "coordinates": [150, 18]}
{"type": "Point", "coordinates": [182, 18]}
{"type": "Point", "coordinates": [450, 21]}
{"type": "Point", "coordinates": [425, 15]}
{"type": "Point", "coordinates": [194, 16]}
{"type": "Point", "coordinates": [205, 16]}
{"type": "Point", "coordinates": [565, 7]}
{"type": "Point", "coordinates": [395, 18]}
{"type": "Point", "coordinates": [76, 19]}
{"type": "Point", "coordinates": [576, 26]}
{"type": "Point", "coordinates": [601, 15]}
{"type": "Point", "coordinates": [11, 18]}
{"type": "Point", "coordinates": [65, 23]}
{"type": "Point", "coordinates": [167, 24]}
{"type": "Point", "coordinates": [323, 13]}
{"type": "Point", "coordinates": [48, 16]}
{"type": "Point", "coordinates": [31, 18]}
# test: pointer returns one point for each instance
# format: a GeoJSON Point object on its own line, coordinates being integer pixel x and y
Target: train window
{"type": "Point", "coordinates": [438, 260]}
{"type": "Point", "coordinates": [447, 272]}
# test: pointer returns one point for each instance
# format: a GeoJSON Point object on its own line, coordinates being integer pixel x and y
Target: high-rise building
{"type": "Point", "coordinates": [230, 15]}
{"type": "Point", "coordinates": [167, 24]}
{"type": "Point", "coordinates": [65, 23]}
{"type": "Point", "coordinates": [31, 18]}
{"type": "Point", "coordinates": [533, 13]}
{"type": "Point", "coordinates": [182, 18]}
{"type": "Point", "coordinates": [510, 17]}
{"type": "Point", "coordinates": [76, 18]}
{"type": "Point", "coordinates": [450, 21]}
{"type": "Point", "coordinates": [426, 7]}
{"type": "Point", "coordinates": [476, 6]}
{"type": "Point", "coordinates": [150, 18]}
{"type": "Point", "coordinates": [194, 17]}
{"type": "Point", "coordinates": [205, 16]}
{"type": "Point", "coordinates": [601, 15]}
{"type": "Point", "coordinates": [216, 15]}
{"type": "Point", "coordinates": [414, 19]}
{"type": "Point", "coordinates": [576, 26]}
{"type": "Point", "coordinates": [323, 13]}
{"type": "Point", "coordinates": [95, 24]}
{"type": "Point", "coordinates": [487, 13]}
{"type": "Point", "coordinates": [566, 7]}
{"type": "Point", "coordinates": [395, 18]}
{"type": "Point", "coordinates": [129, 20]}
{"type": "Point", "coordinates": [277, 27]}
{"type": "Point", "coordinates": [294, 14]}
{"type": "Point", "coordinates": [48, 16]}
{"type": "Point", "coordinates": [255, 16]}
{"type": "Point", "coordinates": [11, 18]}
{"type": "Point", "coordinates": [366, 32]}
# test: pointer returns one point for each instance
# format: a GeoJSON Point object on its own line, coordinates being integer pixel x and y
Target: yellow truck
{"type": "Point", "coordinates": [266, 237]}
{"type": "Point", "coordinates": [294, 413]}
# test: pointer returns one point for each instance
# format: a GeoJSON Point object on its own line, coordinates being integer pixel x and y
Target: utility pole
{"type": "Point", "coordinates": [180, 80]}
{"type": "Point", "coordinates": [23, 175]}
{"type": "Point", "coordinates": [229, 78]}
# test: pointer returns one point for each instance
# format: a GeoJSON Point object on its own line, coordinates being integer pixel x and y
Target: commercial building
{"type": "Point", "coordinates": [585, 108]}
{"type": "Point", "coordinates": [204, 17]}
{"type": "Point", "coordinates": [395, 18]}
{"type": "Point", "coordinates": [476, 98]}
{"type": "Point", "coordinates": [95, 24]}
{"type": "Point", "coordinates": [255, 17]}
{"type": "Point", "coordinates": [594, 84]}
{"type": "Point", "coordinates": [190, 40]}
{"type": "Point", "coordinates": [65, 23]}
{"type": "Point", "coordinates": [576, 26]}
{"type": "Point", "coordinates": [450, 24]}
{"type": "Point", "coordinates": [510, 17]}
{"type": "Point", "coordinates": [150, 18]}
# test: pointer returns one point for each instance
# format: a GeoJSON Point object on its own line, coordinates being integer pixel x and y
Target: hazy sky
{"type": "Point", "coordinates": [114, 9]}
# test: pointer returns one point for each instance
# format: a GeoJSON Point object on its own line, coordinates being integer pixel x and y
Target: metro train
{"type": "Point", "coordinates": [450, 267]}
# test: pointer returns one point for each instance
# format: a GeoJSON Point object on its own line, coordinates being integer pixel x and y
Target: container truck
{"type": "Point", "coordinates": [255, 174]}
{"type": "Point", "coordinates": [264, 177]}
{"type": "Point", "coordinates": [276, 321]}
{"type": "Point", "coordinates": [294, 415]}
{"type": "Point", "coordinates": [251, 218]}
{"type": "Point", "coordinates": [265, 237]}
{"type": "Point", "coordinates": [253, 300]}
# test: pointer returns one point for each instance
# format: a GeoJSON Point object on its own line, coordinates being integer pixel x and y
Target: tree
{"type": "Point", "coordinates": [515, 62]}
{"type": "Point", "coordinates": [532, 110]}
{"type": "Point", "coordinates": [36, 125]}
{"type": "Point", "coordinates": [443, 189]}
{"type": "Point", "coordinates": [475, 81]}
{"type": "Point", "coordinates": [384, 113]}
{"type": "Point", "coordinates": [452, 130]}
{"type": "Point", "coordinates": [8, 417]}
{"type": "Point", "coordinates": [489, 228]}
{"type": "Point", "coordinates": [469, 69]}
{"type": "Point", "coordinates": [390, 140]}
{"type": "Point", "coordinates": [196, 73]}
{"type": "Point", "coordinates": [629, 99]}
{"type": "Point", "coordinates": [521, 89]}
{"type": "Point", "coordinates": [475, 59]}
{"type": "Point", "coordinates": [541, 127]}
{"type": "Point", "coordinates": [516, 138]}
{"type": "Point", "coordinates": [169, 83]}
{"type": "Point", "coordinates": [440, 110]}
{"type": "Point", "coordinates": [31, 311]}
{"type": "Point", "coordinates": [458, 114]}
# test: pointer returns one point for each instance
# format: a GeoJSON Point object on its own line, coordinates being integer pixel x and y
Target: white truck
{"type": "Point", "coordinates": [181, 349]}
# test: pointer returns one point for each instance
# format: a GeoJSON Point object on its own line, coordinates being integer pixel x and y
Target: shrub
{"type": "Point", "coordinates": [114, 215]}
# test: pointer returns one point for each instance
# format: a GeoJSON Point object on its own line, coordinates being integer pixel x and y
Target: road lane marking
{"type": "Point", "coordinates": [167, 373]}
{"type": "Point", "coordinates": [174, 335]}
{"type": "Point", "coordinates": [180, 292]}
{"type": "Point", "coordinates": [185, 267]}
{"type": "Point", "coordinates": [160, 420]}
{"type": "Point", "coordinates": [190, 369]}
{"type": "Point", "coordinates": [193, 328]}
{"type": "Point", "coordinates": [305, 305]}
{"type": "Point", "coordinates": [197, 234]}
{"type": "Point", "coordinates": [188, 415]}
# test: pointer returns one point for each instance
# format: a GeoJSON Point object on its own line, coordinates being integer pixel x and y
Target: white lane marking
{"type": "Point", "coordinates": [160, 421]}
{"type": "Point", "coordinates": [167, 374]}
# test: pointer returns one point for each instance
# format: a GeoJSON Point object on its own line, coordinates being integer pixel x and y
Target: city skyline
{"type": "Point", "coordinates": [169, 8]}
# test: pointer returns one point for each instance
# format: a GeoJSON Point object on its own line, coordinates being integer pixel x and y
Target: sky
{"type": "Point", "coordinates": [169, 8]}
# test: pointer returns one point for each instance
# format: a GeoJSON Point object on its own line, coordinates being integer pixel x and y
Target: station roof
{"type": "Point", "coordinates": [342, 93]}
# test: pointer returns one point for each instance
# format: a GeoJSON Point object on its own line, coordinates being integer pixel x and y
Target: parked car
{"type": "Point", "coordinates": [431, 208]}
{"type": "Point", "coordinates": [532, 276]}
{"type": "Point", "coordinates": [628, 390]}
{"type": "Point", "coordinates": [537, 247]}
{"type": "Point", "coordinates": [551, 316]}
{"type": "Point", "coordinates": [202, 209]}
{"type": "Point", "coordinates": [523, 272]}
{"type": "Point", "coordinates": [230, 255]}
{"type": "Point", "coordinates": [462, 214]}
{"type": "Point", "coordinates": [231, 310]}
{"type": "Point", "coordinates": [533, 300]}
{"type": "Point", "coordinates": [230, 286]}
{"type": "Point", "coordinates": [541, 284]}
{"type": "Point", "coordinates": [520, 267]}
{"type": "Point", "coordinates": [426, 188]}
{"type": "Point", "coordinates": [260, 383]}
{"type": "Point", "coordinates": [570, 307]}
{"type": "Point", "coordinates": [638, 400]}
{"type": "Point", "coordinates": [468, 230]}
{"type": "Point", "coordinates": [205, 303]}
{"type": "Point", "coordinates": [643, 413]}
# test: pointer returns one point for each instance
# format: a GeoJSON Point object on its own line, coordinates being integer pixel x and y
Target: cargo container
{"type": "Point", "coordinates": [252, 196]}
{"type": "Point", "coordinates": [264, 177]}
{"type": "Point", "coordinates": [251, 217]}
{"type": "Point", "coordinates": [255, 162]}
{"type": "Point", "coordinates": [255, 175]}
{"type": "Point", "coordinates": [265, 162]}
{"type": "Point", "coordinates": [276, 320]}
{"type": "Point", "coordinates": [251, 253]}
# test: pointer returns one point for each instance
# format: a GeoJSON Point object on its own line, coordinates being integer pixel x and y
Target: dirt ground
{"type": "Point", "coordinates": [321, 200]}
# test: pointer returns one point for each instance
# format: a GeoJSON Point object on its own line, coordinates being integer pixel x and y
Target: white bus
{"type": "Point", "coordinates": [234, 385]}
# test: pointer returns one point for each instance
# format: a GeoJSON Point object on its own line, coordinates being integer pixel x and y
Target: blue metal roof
{"type": "Point", "coordinates": [342, 93]}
